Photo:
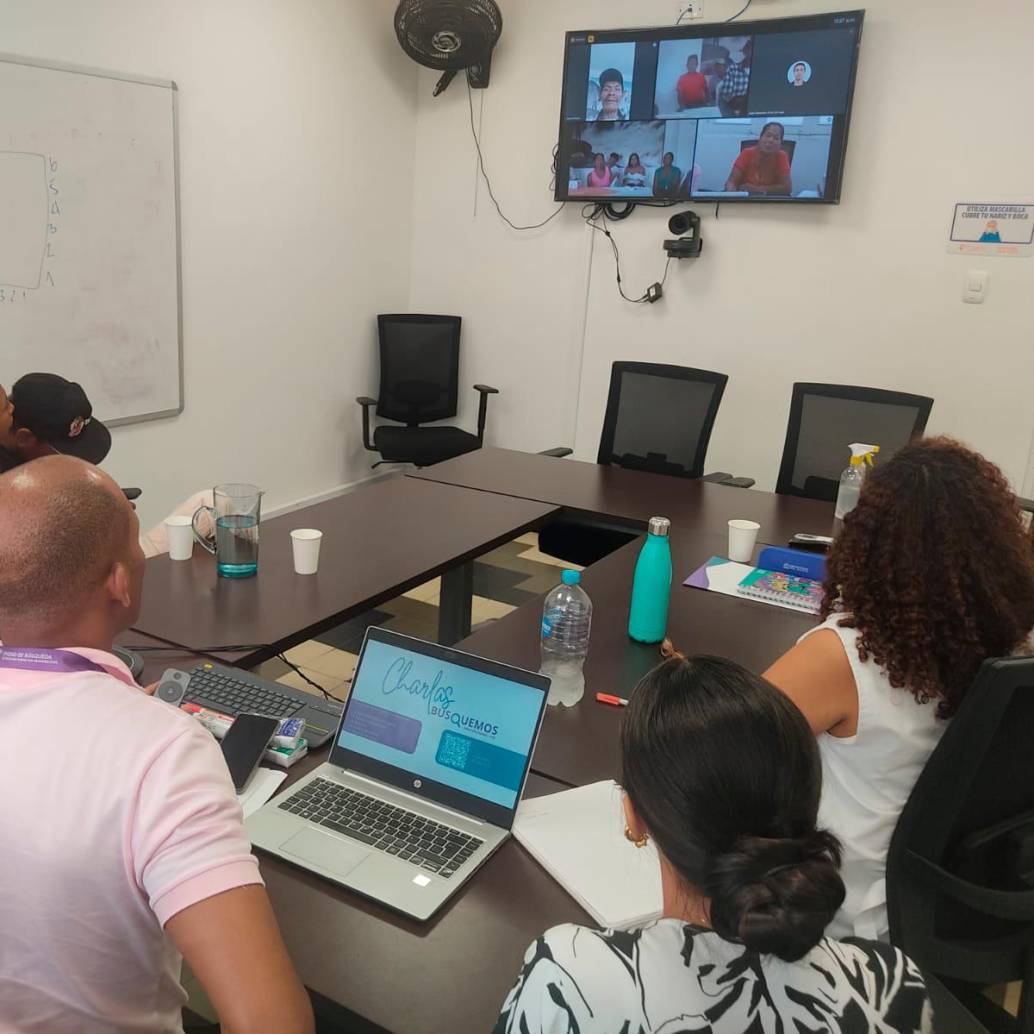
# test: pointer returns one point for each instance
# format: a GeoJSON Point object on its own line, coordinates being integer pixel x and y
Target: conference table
{"type": "Point", "coordinates": [630, 497]}
{"type": "Point", "coordinates": [379, 541]}
{"type": "Point", "coordinates": [367, 968]}
{"type": "Point", "coordinates": [579, 745]}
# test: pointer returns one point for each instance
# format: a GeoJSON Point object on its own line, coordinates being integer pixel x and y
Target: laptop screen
{"type": "Point", "coordinates": [456, 723]}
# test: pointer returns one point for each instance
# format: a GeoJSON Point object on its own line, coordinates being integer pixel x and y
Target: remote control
{"type": "Point", "coordinates": [172, 686]}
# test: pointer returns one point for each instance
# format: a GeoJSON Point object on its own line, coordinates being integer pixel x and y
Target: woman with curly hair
{"type": "Point", "coordinates": [932, 575]}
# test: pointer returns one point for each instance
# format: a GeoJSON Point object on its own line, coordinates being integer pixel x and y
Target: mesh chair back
{"type": "Point", "coordinates": [825, 419]}
{"type": "Point", "coordinates": [659, 418]}
{"type": "Point", "coordinates": [420, 358]}
{"type": "Point", "coordinates": [960, 869]}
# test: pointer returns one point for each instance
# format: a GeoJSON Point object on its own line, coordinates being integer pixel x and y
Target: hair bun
{"type": "Point", "coordinates": [776, 896]}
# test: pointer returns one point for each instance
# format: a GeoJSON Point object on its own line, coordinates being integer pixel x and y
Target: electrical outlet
{"type": "Point", "coordinates": [691, 10]}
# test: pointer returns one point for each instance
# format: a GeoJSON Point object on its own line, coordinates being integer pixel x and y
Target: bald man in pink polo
{"type": "Point", "coordinates": [121, 845]}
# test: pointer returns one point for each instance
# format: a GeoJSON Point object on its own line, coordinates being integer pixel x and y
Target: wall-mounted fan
{"type": "Point", "coordinates": [450, 35]}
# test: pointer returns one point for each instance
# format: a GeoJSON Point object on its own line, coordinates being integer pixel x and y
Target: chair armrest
{"type": "Point", "coordinates": [721, 478]}
{"type": "Point", "coordinates": [484, 390]}
{"type": "Point", "coordinates": [559, 453]}
{"type": "Point", "coordinates": [366, 402]}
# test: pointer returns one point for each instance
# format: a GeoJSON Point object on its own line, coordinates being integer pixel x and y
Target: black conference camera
{"type": "Point", "coordinates": [686, 226]}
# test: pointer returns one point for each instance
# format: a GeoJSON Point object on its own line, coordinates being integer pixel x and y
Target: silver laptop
{"type": "Point", "coordinates": [424, 776]}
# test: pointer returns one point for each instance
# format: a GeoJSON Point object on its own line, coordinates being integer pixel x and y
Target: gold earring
{"type": "Point", "coordinates": [640, 842]}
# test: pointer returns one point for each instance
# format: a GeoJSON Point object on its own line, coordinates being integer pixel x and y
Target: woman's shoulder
{"type": "Point", "coordinates": [848, 948]}
{"type": "Point", "coordinates": [875, 976]}
{"type": "Point", "coordinates": [580, 947]}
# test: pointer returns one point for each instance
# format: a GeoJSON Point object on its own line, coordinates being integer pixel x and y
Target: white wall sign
{"type": "Point", "coordinates": [987, 229]}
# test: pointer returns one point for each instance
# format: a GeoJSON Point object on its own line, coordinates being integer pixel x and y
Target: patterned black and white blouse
{"type": "Point", "coordinates": [673, 978]}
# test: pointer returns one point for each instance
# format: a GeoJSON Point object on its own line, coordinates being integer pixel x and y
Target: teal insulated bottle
{"type": "Point", "coordinates": [651, 587]}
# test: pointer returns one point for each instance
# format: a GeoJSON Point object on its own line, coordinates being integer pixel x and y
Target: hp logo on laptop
{"type": "Point", "coordinates": [417, 783]}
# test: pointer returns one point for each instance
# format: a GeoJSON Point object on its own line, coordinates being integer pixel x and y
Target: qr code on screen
{"type": "Point", "coordinates": [453, 751]}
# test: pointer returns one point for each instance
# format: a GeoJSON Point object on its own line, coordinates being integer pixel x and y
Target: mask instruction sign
{"type": "Point", "coordinates": [993, 229]}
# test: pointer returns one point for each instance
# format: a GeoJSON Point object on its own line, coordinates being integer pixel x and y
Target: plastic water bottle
{"type": "Point", "coordinates": [852, 478]}
{"type": "Point", "coordinates": [566, 621]}
{"type": "Point", "coordinates": [651, 587]}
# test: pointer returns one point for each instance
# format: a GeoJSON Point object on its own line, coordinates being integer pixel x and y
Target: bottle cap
{"type": "Point", "coordinates": [660, 526]}
{"type": "Point", "coordinates": [571, 577]}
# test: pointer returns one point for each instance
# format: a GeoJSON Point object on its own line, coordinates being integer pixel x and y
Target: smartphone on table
{"type": "Point", "coordinates": [244, 743]}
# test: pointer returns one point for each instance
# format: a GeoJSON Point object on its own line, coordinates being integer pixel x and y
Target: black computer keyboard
{"type": "Point", "coordinates": [233, 696]}
{"type": "Point", "coordinates": [395, 831]}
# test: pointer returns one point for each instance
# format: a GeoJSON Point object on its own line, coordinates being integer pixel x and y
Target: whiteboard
{"type": "Point", "coordinates": [89, 235]}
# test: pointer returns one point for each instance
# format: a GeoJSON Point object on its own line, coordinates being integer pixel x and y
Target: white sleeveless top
{"type": "Point", "coordinates": [866, 779]}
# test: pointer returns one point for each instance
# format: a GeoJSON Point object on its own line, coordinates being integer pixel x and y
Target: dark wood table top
{"type": "Point", "coordinates": [631, 496]}
{"type": "Point", "coordinates": [450, 974]}
{"type": "Point", "coordinates": [579, 744]}
{"type": "Point", "coordinates": [157, 656]}
{"type": "Point", "coordinates": [445, 976]}
{"type": "Point", "coordinates": [379, 541]}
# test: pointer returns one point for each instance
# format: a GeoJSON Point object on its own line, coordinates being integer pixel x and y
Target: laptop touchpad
{"type": "Point", "coordinates": [330, 853]}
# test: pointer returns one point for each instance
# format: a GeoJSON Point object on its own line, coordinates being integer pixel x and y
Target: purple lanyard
{"type": "Point", "coordinates": [35, 658]}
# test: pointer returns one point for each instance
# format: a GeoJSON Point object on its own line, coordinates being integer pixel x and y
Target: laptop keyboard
{"type": "Point", "coordinates": [395, 831]}
{"type": "Point", "coordinates": [233, 696]}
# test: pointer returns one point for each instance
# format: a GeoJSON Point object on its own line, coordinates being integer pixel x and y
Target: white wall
{"type": "Point", "coordinates": [861, 293]}
{"type": "Point", "coordinates": [297, 126]}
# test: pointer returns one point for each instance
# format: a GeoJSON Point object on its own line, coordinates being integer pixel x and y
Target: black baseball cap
{"type": "Point", "coordinates": [611, 75]}
{"type": "Point", "coordinates": [58, 412]}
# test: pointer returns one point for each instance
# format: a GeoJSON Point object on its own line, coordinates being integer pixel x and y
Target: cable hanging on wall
{"type": "Point", "coordinates": [742, 10]}
{"type": "Point", "coordinates": [488, 182]}
{"type": "Point", "coordinates": [689, 7]}
{"type": "Point", "coordinates": [593, 214]}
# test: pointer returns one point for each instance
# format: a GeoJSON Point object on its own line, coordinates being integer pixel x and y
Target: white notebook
{"type": "Point", "coordinates": [577, 836]}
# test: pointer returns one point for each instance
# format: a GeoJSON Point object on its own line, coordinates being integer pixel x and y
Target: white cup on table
{"type": "Point", "coordinates": [742, 536]}
{"type": "Point", "coordinates": [306, 545]}
{"type": "Point", "coordinates": [181, 537]}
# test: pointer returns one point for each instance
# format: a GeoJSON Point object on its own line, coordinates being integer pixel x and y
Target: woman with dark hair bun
{"type": "Point", "coordinates": [932, 575]}
{"type": "Point", "coordinates": [722, 772]}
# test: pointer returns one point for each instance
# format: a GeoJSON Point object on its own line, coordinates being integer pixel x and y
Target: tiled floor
{"type": "Point", "coordinates": [504, 579]}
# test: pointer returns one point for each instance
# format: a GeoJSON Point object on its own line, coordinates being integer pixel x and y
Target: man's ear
{"type": "Point", "coordinates": [24, 439]}
{"type": "Point", "coordinates": [118, 585]}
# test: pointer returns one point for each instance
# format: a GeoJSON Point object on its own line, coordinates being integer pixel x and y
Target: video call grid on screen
{"type": "Point", "coordinates": [688, 113]}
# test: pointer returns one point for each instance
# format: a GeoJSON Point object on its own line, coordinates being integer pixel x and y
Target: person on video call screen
{"type": "Point", "coordinates": [692, 85]}
{"type": "Point", "coordinates": [601, 175]}
{"type": "Point", "coordinates": [612, 96]}
{"type": "Point", "coordinates": [764, 168]}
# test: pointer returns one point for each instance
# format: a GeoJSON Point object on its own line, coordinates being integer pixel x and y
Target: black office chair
{"type": "Point", "coordinates": [420, 358]}
{"type": "Point", "coordinates": [827, 418]}
{"type": "Point", "coordinates": [659, 418]}
{"type": "Point", "coordinates": [960, 869]}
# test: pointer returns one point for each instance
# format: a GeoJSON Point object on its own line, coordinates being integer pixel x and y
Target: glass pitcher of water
{"type": "Point", "coordinates": [236, 518]}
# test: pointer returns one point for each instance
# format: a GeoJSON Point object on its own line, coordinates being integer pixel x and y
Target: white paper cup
{"type": "Point", "coordinates": [306, 544]}
{"type": "Point", "coordinates": [742, 536]}
{"type": "Point", "coordinates": [181, 537]}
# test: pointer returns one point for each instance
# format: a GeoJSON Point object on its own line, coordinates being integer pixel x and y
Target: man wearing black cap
{"type": "Point", "coordinates": [612, 96]}
{"type": "Point", "coordinates": [51, 415]}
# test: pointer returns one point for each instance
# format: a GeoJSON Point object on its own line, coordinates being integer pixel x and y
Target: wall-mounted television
{"type": "Point", "coordinates": [751, 111]}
